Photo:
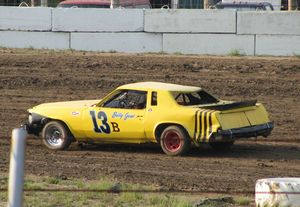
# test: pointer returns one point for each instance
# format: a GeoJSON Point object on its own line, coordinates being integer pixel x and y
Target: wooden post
{"type": "Point", "coordinates": [207, 4]}
{"type": "Point", "coordinates": [44, 3]}
{"type": "Point", "coordinates": [174, 4]}
{"type": "Point", "coordinates": [292, 4]}
{"type": "Point", "coordinates": [114, 4]}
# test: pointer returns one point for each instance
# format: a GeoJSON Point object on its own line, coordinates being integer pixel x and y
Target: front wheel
{"type": "Point", "coordinates": [175, 141]}
{"type": "Point", "coordinates": [56, 136]}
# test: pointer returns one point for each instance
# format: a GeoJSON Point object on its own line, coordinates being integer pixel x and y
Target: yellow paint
{"type": "Point", "coordinates": [140, 124]}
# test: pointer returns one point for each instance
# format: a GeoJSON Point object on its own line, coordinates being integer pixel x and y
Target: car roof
{"type": "Point", "coordinates": [159, 86]}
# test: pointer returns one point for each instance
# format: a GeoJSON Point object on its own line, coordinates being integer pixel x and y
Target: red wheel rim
{"type": "Point", "coordinates": [172, 141]}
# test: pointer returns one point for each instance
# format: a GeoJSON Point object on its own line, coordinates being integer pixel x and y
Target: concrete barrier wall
{"type": "Point", "coordinates": [268, 23]}
{"type": "Point", "coordinates": [37, 40]}
{"type": "Point", "coordinates": [97, 20]}
{"type": "Point", "coordinates": [278, 45]}
{"type": "Point", "coordinates": [190, 21]}
{"type": "Point", "coordinates": [218, 44]}
{"type": "Point", "coordinates": [121, 42]}
{"type": "Point", "coordinates": [25, 18]}
{"type": "Point", "coordinates": [212, 32]}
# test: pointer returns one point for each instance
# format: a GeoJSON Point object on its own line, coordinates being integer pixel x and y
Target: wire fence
{"type": "Point", "coordinates": [182, 4]}
{"type": "Point", "coordinates": [187, 4]}
{"type": "Point", "coordinates": [202, 192]}
{"type": "Point", "coordinates": [223, 192]}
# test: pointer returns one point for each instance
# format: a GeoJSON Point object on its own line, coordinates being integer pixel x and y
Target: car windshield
{"type": "Point", "coordinates": [128, 99]}
{"type": "Point", "coordinates": [194, 98]}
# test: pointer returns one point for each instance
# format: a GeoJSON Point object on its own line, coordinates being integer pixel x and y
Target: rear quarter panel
{"type": "Point", "coordinates": [167, 111]}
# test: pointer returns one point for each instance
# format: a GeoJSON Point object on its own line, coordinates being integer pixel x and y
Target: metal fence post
{"type": "Point", "coordinates": [16, 168]}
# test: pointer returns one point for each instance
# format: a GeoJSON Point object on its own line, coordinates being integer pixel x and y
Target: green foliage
{"type": "Point", "coordinates": [234, 52]}
{"type": "Point", "coordinates": [115, 199]}
{"type": "Point", "coordinates": [177, 53]}
{"type": "Point", "coordinates": [296, 55]}
{"type": "Point", "coordinates": [53, 180]}
{"type": "Point", "coordinates": [169, 201]}
{"type": "Point", "coordinates": [242, 201]}
{"type": "Point", "coordinates": [156, 53]}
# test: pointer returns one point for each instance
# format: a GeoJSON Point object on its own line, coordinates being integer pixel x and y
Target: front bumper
{"type": "Point", "coordinates": [246, 132]}
{"type": "Point", "coordinates": [34, 129]}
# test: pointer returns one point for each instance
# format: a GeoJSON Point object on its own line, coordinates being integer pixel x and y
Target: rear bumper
{"type": "Point", "coordinates": [246, 132]}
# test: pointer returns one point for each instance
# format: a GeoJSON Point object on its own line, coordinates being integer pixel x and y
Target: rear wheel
{"type": "Point", "coordinates": [56, 136]}
{"type": "Point", "coordinates": [174, 141]}
{"type": "Point", "coordinates": [222, 146]}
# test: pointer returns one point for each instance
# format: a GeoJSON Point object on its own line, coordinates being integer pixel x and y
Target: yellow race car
{"type": "Point", "coordinates": [175, 116]}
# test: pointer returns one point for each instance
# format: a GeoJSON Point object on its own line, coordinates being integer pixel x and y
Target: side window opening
{"type": "Point", "coordinates": [194, 98]}
{"type": "Point", "coordinates": [154, 98]}
{"type": "Point", "coordinates": [128, 99]}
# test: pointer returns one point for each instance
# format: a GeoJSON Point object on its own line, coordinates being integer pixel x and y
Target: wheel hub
{"type": "Point", "coordinates": [54, 137]}
{"type": "Point", "coordinates": [172, 141]}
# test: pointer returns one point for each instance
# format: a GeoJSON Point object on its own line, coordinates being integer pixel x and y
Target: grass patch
{"type": "Point", "coordinates": [242, 201]}
{"type": "Point", "coordinates": [178, 53]}
{"type": "Point", "coordinates": [126, 199]}
{"type": "Point", "coordinates": [235, 52]}
{"type": "Point", "coordinates": [296, 55]}
{"type": "Point", "coordinates": [155, 53]}
{"type": "Point", "coordinates": [53, 180]}
{"type": "Point", "coordinates": [170, 201]}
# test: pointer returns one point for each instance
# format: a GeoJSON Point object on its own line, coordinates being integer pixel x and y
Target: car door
{"type": "Point", "coordinates": [119, 119]}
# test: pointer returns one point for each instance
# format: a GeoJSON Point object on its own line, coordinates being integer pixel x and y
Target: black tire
{"type": "Point", "coordinates": [175, 141]}
{"type": "Point", "coordinates": [222, 146]}
{"type": "Point", "coordinates": [56, 136]}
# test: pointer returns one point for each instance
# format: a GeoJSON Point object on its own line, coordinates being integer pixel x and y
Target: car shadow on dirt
{"type": "Point", "coordinates": [240, 150]}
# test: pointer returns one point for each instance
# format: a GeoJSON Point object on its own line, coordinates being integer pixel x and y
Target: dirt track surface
{"type": "Point", "coordinates": [29, 77]}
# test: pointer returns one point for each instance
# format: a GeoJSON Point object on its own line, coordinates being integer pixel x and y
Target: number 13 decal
{"type": "Point", "coordinates": [104, 127]}
{"type": "Point", "coordinates": [101, 116]}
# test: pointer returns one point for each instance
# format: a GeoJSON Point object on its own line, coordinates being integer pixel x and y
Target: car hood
{"type": "Point", "coordinates": [46, 108]}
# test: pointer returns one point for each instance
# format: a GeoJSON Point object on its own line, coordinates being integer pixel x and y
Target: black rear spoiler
{"type": "Point", "coordinates": [234, 105]}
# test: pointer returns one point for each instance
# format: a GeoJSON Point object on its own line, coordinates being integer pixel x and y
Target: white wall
{"type": "Point", "coordinates": [278, 45]}
{"type": "Point", "coordinates": [97, 20]}
{"type": "Point", "coordinates": [25, 18]}
{"type": "Point", "coordinates": [37, 40]}
{"type": "Point", "coordinates": [268, 23]}
{"type": "Point", "coordinates": [121, 42]}
{"type": "Point", "coordinates": [190, 21]}
{"type": "Point", "coordinates": [187, 31]}
{"type": "Point", "coordinates": [217, 44]}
